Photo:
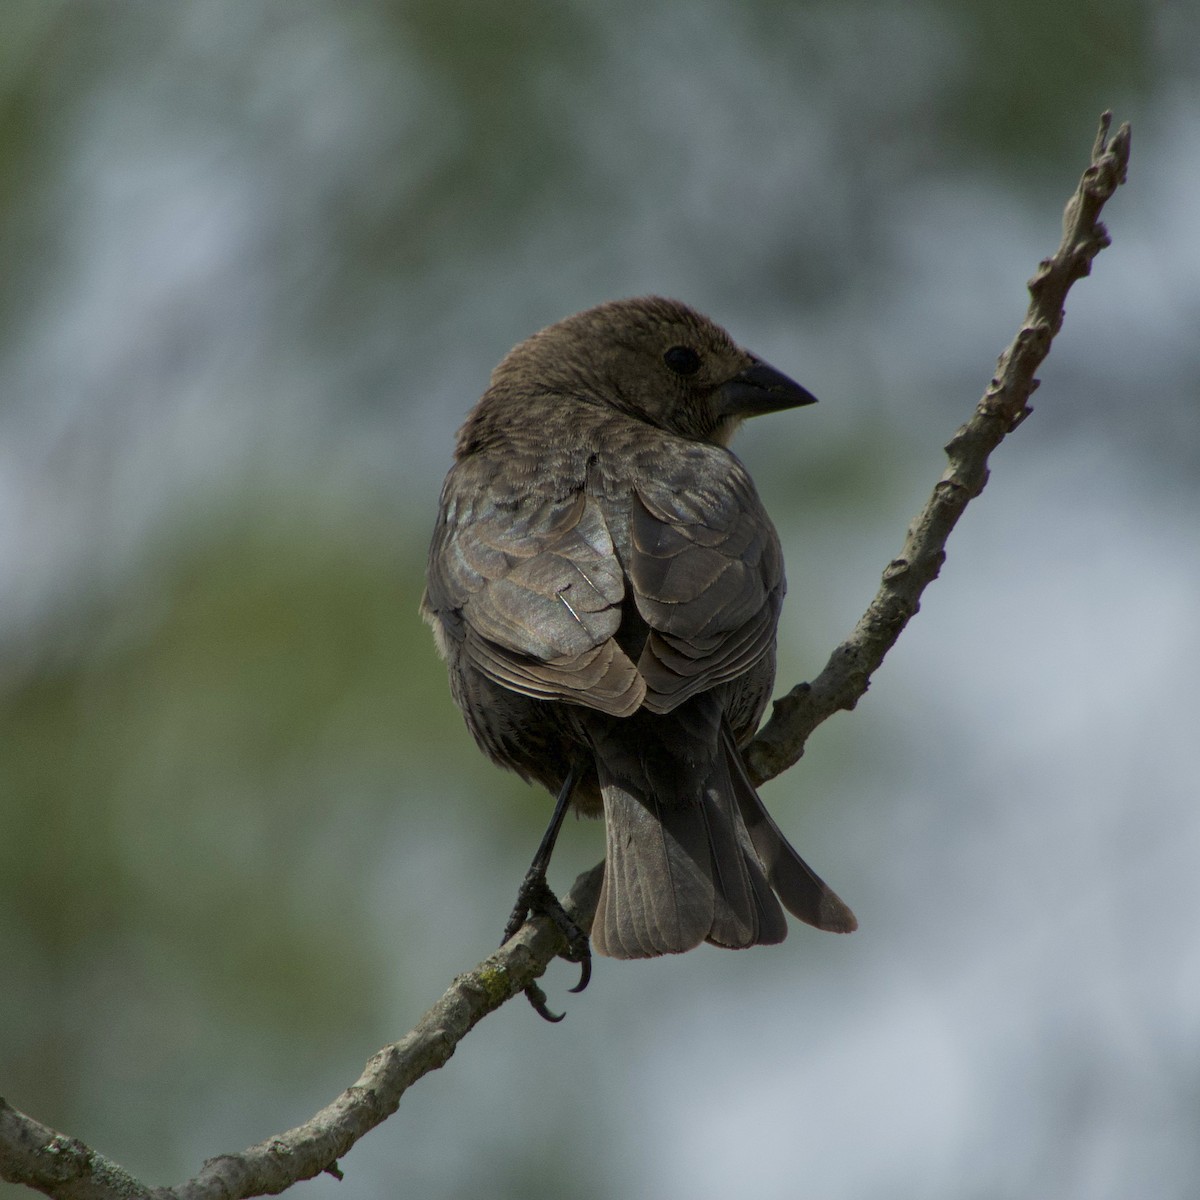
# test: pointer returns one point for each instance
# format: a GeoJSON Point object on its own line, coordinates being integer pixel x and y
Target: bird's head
{"type": "Point", "coordinates": [656, 360]}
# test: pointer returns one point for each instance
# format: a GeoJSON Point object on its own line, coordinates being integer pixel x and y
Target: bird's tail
{"type": "Point", "coordinates": [803, 892]}
{"type": "Point", "coordinates": [703, 867]}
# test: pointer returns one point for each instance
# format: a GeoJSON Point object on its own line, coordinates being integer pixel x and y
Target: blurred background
{"type": "Point", "coordinates": [258, 260]}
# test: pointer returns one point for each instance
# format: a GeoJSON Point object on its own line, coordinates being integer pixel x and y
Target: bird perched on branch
{"type": "Point", "coordinates": [605, 585]}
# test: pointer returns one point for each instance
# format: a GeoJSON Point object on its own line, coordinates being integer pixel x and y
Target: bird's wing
{"type": "Point", "coordinates": [706, 572]}
{"type": "Point", "coordinates": [532, 592]}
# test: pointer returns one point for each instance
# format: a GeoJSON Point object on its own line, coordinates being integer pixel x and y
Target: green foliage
{"type": "Point", "coordinates": [186, 793]}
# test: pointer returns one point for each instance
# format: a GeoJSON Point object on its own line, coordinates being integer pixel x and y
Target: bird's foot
{"type": "Point", "coordinates": [536, 899]}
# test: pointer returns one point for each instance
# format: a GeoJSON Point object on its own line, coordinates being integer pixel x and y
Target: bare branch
{"type": "Point", "coordinates": [66, 1169]}
{"type": "Point", "coordinates": [1005, 404]}
{"type": "Point", "coordinates": [33, 1154]}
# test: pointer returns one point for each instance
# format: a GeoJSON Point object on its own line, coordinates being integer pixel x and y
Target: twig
{"type": "Point", "coordinates": [1005, 404]}
{"type": "Point", "coordinates": [66, 1169]}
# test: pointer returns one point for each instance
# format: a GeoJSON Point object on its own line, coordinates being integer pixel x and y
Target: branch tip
{"type": "Point", "coordinates": [1003, 408]}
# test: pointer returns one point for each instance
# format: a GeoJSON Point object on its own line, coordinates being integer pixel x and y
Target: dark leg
{"type": "Point", "coordinates": [535, 898]}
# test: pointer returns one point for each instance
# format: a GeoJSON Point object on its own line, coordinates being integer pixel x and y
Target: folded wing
{"type": "Point", "coordinates": [707, 577]}
{"type": "Point", "coordinates": [532, 592]}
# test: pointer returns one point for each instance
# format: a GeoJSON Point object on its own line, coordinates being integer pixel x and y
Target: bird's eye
{"type": "Point", "coordinates": [683, 360]}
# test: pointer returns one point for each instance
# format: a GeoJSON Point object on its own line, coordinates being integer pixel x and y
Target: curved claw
{"type": "Point", "coordinates": [537, 998]}
{"type": "Point", "coordinates": [585, 974]}
{"type": "Point", "coordinates": [535, 899]}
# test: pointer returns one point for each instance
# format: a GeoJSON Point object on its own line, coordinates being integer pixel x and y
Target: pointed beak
{"type": "Point", "coordinates": [760, 389]}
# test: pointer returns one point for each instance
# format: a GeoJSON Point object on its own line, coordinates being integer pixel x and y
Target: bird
{"type": "Point", "coordinates": [605, 586]}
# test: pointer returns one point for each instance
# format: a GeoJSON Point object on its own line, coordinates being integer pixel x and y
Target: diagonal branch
{"type": "Point", "coordinates": [63, 1167]}
{"type": "Point", "coordinates": [1005, 404]}
{"type": "Point", "coordinates": [66, 1169]}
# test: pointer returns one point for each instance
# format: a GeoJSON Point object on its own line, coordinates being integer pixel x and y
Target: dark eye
{"type": "Point", "coordinates": [683, 360]}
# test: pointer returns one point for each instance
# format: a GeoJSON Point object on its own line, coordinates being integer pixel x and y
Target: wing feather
{"type": "Point", "coordinates": [532, 591]}
{"type": "Point", "coordinates": [707, 577]}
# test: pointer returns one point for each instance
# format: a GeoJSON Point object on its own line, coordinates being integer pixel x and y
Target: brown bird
{"type": "Point", "coordinates": [605, 585]}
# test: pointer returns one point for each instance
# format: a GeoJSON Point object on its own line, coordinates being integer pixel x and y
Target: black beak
{"type": "Point", "coordinates": [760, 389]}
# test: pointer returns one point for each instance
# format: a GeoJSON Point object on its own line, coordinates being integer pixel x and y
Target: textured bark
{"type": "Point", "coordinates": [1004, 406]}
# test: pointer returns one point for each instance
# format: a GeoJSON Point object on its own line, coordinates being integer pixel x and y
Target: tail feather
{"type": "Point", "coordinates": [677, 874]}
{"type": "Point", "coordinates": [804, 894]}
{"type": "Point", "coordinates": [745, 912]}
{"type": "Point", "coordinates": [657, 894]}
{"type": "Point", "coordinates": [692, 854]}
